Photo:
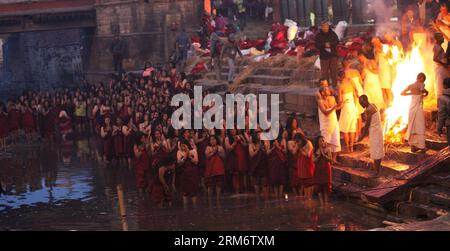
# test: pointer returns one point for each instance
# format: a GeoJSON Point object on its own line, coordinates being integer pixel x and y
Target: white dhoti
{"type": "Point", "coordinates": [376, 141]}
{"type": "Point", "coordinates": [441, 74]}
{"type": "Point", "coordinates": [349, 114]}
{"type": "Point", "coordinates": [329, 129]}
{"type": "Point", "coordinates": [416, 123]}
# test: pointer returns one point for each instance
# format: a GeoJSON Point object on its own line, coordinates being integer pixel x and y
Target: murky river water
{"type": "Point", "coordinates": [62, 188]}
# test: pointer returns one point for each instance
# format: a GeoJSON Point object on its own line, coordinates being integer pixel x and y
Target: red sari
{"type": "Point", "coordinates": [322, 173]}
{"type": "Point", "coordinates": [277, 167]}
{"type": "Point", "coordinates": [4, 129]}
{"type": "Point", "coordinates": [118, 144]}
{"type": "Point", "coordinates": [258, 165]}
{"type": "Point", "coordinates": [305, 169]}
{"type": "Point", "coordinates": [14, 120]}
{"type": "Point", "coordinates": [107, 143]}
{"type": "Point", "coordinates": [142, 168]}
{"type": "Point", "coordinates": [157, 156]}
{"type": "Point", "coordinates": [188, 179]}
{"type": "Point", "coordinates": [28, 121]}
{"type": "Point", "coordinates": [156, 188]}
{"type": "Point", "coordinates": [240, 159]}
{"type": "Point", "coordinates": [214, 166]}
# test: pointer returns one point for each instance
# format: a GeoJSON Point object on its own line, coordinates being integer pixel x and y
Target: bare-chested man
{"type": "Point", "coordinates": [373, 128]}
{"type": "Point", "coordinates": [329, 126]}
{"type": "Point", "coordinates": [349, 116]}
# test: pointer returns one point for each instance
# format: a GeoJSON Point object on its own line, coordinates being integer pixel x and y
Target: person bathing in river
{"type": "Point", "coordinates": [416, 119]}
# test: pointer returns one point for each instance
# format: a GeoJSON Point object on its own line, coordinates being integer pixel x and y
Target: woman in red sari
{"type": "Point", "coordinates": [303, 149]}
{"type": "Point", "coordinates": [159, 148]}
{"type": "Point", "coordinates": [142, 160]}
{"type": "Point", "coordinates": [107, 142]}
{"type": "Point", "coordinates": [322, 172]}
{"type": "Point", "coordinates": [28, 123]}
{"type": "Point", "coordinates": [14, 121]}
{"type": "Point", "coordinates": [236, 146]}
{"type": "Point", "coordinates": [201, 139]}
{"type": "Point", "coordinates": [162, 181]}
{"type": "Point", "coordinates": [118, 140]}
{"type": "Point", "coordinates": [258, 166]}
{"type": "Point", "coordinates": [277, 162]}
{"type": "Point", "coordinates": [188, 176]}
{"type": "Point", "coordinates": [129, 130]}
{"type": "Point", "coordinates": [65, 125]}
{"type": "Point", "coordinates": [215, 167]}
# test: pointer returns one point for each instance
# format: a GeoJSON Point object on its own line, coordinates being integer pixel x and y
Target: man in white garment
{"type": "Point", "coordinates": [329, 126]}
{"type": "Point", "coordinates": [374, 130]}
{"type": "Point", "coordinates": [416, 120]}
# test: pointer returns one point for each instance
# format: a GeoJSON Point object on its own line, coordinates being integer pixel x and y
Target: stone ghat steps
{"type": "Point", "coordinates": [354, 175]}
{"type": "Point", "coordinates": [435, 195]}
{"type": "Point", "coordinates": [419, 212]}
{"type": "Point", "coordinates": [359, 176]}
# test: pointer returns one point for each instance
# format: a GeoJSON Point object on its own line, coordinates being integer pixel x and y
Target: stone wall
{"type": "Point", "coordinates": [146, 28]}
{"type": "Point", "coordinates": [43, 60]}
{"type": "Point", "coordinates": [20, 1]}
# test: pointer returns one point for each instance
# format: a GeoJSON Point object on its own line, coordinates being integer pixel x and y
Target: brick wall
{"type": "Point", "coordinates": [146, 28]}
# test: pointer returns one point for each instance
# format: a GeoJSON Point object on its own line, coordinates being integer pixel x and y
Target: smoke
{"type": "Point", "coordinates": [382, 13]}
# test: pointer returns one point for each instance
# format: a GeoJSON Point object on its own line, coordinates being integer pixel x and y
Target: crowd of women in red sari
{"type": "Point", "coordinates": [130, 118]}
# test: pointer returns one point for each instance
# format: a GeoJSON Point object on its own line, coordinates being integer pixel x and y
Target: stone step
{"type": "Point", "coordinates": [358, 176]}
{"type": "Point", "coordinates": [417, 211]}
{"type": "Point", "coordinates": [212, 86]}
{"type": "Point", "coordinates": [348, 189]}
{"type": "Point", "coordinates": [437, 196]}
{"type": "Point", "coordinates": [362, 161]}
{"type": "Point", "coordinates": [435, 145]}
{"type": "Point", "coordinates": [403, 154]}
{"type": "Point", "coordinates": [442, 179]}
{"type": "Point", "coordinates": [268, 79]}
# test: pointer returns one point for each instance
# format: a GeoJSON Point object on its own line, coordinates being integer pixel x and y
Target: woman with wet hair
{"type": "Point", "coordinates": [236, 146]}
{"type": "Point", "coordinates": [277, 163]}
{"type": "Point", "coordinates": [258, 166]}
{"type": "Point", "coordinates": [214, 167]}
{"type": "Point", "coordinates": [107, 140]}
{"type": "Point", "coordinates": [142, 160]}
{"type": "Point", "coordinates": [118, 140]}
{"type": "Point", "coordinates": [322, 172]}
{"type": "Point", "coordinates": [303, 149]}
{"type": "Point", "coordinates": [159, 147]}
{"type": "Point", "coordinates": [188, 175]}
{"type": "Point", "coordinates": [14, 121]}
{"type": "Point", "coordinates": [162, 181]}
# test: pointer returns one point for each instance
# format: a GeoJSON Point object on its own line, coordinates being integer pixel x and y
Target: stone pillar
{"type": "Point", "coordinates": [277, 11]}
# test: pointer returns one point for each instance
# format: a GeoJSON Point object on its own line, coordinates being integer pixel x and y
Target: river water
{"type": "Point", "coordinates": [62, 187]}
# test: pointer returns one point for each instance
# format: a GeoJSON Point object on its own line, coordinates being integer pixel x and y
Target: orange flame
{"type": "Point", "coordinates": [406, 67]}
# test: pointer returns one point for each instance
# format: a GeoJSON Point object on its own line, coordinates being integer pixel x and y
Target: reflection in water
{"type": "Point", "coordinates": [63, 187]}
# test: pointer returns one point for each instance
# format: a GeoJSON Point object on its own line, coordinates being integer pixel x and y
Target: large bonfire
{"type": "Point", "coordinates": [407, 64]}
